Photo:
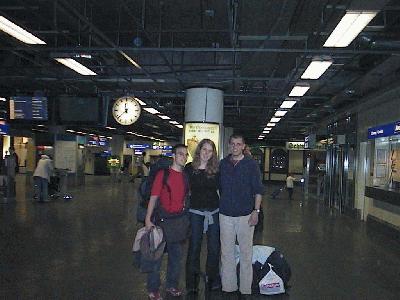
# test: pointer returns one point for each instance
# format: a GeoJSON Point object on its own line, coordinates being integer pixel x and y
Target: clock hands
{"type": "Point", "coordinates": [121, 114]}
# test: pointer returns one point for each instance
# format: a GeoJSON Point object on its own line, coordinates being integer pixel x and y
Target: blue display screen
{"type": "Point", "coordinates": [28, 108]}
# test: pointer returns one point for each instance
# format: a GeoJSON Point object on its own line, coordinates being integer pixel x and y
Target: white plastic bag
{"type": "Point", "coordinates": [271, 284]}
{"type": "Point", "coordinates": [260, 253]}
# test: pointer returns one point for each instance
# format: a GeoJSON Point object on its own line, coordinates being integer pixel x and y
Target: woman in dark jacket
{"type": "Point", "coordinates": [204, 218]}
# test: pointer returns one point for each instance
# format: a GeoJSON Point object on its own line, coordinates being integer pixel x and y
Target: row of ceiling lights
{"type": "Point", "coordinates": [154, 111]}
{"type": "Point", "coordinates": [352, 23]}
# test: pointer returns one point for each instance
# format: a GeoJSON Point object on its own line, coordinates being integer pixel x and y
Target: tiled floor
{"type": "Point", "coordinates": [80, 249]}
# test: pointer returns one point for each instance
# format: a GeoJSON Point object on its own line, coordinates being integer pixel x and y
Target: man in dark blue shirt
{"type": "Point", "coordinates": [241, 194]}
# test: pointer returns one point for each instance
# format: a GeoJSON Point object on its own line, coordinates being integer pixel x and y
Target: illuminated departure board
{"type": "Point", "coordinates": [28, 108]}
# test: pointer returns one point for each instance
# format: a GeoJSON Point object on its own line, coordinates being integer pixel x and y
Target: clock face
{"type": "Point", "coordinates": [126, 110]}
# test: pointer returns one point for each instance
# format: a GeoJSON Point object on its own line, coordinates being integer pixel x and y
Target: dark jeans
{"type": "Point", "coordinates": [40, 188]}
{"type": "Point", "coordinates": [174, 268]}
{"type": "Point", "coordinates": [290, 191]}
{"type": "Point", "coordinates": [213, 251]}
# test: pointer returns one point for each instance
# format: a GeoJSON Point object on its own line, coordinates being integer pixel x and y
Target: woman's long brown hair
{"type": "Point", "coordinates": [212, 164]}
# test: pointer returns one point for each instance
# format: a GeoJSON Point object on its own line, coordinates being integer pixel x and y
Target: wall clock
{"type": "Point", "coordinates": [126, 110]}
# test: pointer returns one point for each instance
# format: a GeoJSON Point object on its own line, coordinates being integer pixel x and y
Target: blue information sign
{"type": "Point", "coordinates": [28, 108]}
{"type": "Point", "coordinates": [138, 146]}
{"type": "Point", "coordinates": [4, 129]}
{"type": "Point", "coordinates": [384, 130]}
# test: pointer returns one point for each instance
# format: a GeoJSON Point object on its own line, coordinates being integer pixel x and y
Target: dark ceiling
{"type": "Point", "coordinates": [255, 51]}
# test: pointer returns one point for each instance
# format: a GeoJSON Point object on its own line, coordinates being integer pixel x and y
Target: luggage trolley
{"type": "Point", "coordinates": [63, 183]}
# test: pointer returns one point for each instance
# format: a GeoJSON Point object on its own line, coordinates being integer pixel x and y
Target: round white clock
{"type": "Point", "coordinates": [126, 110]}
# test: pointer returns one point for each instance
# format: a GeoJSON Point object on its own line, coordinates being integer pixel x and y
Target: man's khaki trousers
{"type": "Point", "coordinates": [232, 228]}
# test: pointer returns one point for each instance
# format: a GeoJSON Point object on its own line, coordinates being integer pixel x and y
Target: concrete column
{"type": "Point", "coordinates": [228, 131]}
{"type": "Point", "coordinates": [205, 105]}
{"type": "Point", "coordinates": [117, 146]}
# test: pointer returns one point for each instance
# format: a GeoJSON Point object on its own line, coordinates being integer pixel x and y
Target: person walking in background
{"type": "Point", "coordinates": [241, 194]}
{"type": "Point", "coordinates": [41, 178]}
{"type": "Point", "coordinates": [172, 193]}
{"type": "Point", "coordinates": [290, 184]}
{"type": "Point", "coordinates": [204, 218]}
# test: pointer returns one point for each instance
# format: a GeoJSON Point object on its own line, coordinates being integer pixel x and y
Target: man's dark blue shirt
{"type": "Point", "coordinates": [239, 183]}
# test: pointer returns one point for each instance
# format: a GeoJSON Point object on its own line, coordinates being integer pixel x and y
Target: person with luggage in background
{"type": "Point", "coordinates": [204, 218]}
{"type": "Point", "coordinates": [290, 185]}
{"type": "Point", "coordinates": [41, 178]}
{"type": "Point", "coordinates": [240, 200]}
{"type": "Point", "coordinates": [171, 192]}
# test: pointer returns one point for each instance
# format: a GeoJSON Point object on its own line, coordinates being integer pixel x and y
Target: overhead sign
{"type": "Point", "coordinates": [195, 132]}
{"type": "Point", "coordinates": [384, 130]}
{"type": "Point", "coordinates": [295, 145]}
{"type": "Point", "coordinates": [28, 108]}
{"type": "Point", "coordinates": [138, 146]}
{"type": "Point", "coordinates": [4, 129]}
{"type": "Point", "coordinates": [94, 140]}
{"type": "Point", "coordinates": [310, 141]}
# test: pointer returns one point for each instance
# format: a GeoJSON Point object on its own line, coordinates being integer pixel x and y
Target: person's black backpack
{"type": "Point", "coordinates": [280, 266]}
{"type": "Point", "coordinates": [144, 190]}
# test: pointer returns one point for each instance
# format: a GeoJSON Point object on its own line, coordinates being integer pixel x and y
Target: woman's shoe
{"type": "Point", "coordinates": [155, 296]}
{"type": "Point", "coordinates": [174, 292]}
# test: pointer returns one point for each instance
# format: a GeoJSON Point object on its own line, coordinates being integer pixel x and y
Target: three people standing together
{"type": "Point", "coordinates": [224, 203]}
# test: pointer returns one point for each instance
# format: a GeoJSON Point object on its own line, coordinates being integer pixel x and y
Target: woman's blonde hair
{"type": "Point", "coordinates": [212, 164]}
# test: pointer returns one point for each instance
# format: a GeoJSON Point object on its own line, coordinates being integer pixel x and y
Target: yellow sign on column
{"type": "Point", "coordinates": [195, 132]}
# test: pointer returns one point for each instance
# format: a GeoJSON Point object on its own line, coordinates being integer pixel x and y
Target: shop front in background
{"type": "Point", "coordinates": [385, 164]}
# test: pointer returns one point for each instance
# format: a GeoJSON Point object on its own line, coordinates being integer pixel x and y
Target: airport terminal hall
{"type": "Point", "coordinates": [200, 149]}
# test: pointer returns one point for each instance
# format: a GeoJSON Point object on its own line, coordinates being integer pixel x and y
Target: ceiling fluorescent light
{"type": "Point", "coordinates": [19, 33]}
{"type": "Point", "coordinates": [3, 99]}
{"type": "Point", "coordinates": [287, 104]}
{"type": "Point", "coordinates": [174, 122]}
{"type": "Point", "coordinates": [267, 128]}
{"type": "Point", "coordinates": [151, 110]}
{"type": "Point", "coordinates": [275, 120]}
{"type": "Point", "coordinates": [179, 126]}
{"type": "Point", "coordinates": [164, 117]}
{"type": "Point", "coordinates": [140, 102]}
{"type": "Point", "coordinates": [271, 124]}
{"type": "Point", "coordinates": [315, 69]}
{"type": "Point", "coordinates": [280, 113]}
{"type": "Point", "coordinates": [130, 60]}
{"type": "Point", "coordinates": [352, 23]}
{"type": "Point", "coordinates": [76, 66]}
{"type": "Point", "coordinates": [299, 90]}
